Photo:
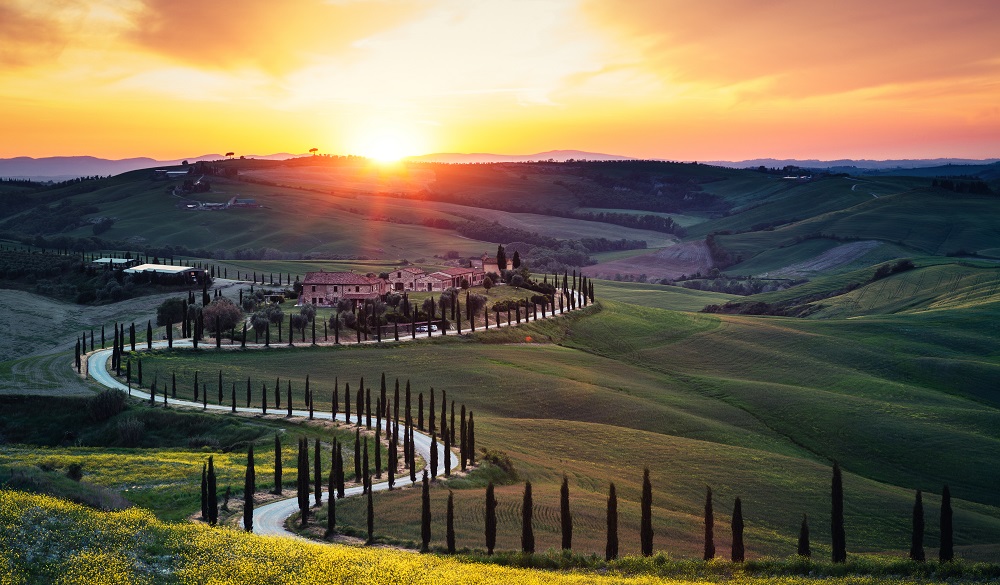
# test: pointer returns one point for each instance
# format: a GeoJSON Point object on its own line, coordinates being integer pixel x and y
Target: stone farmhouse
{"type": "Point", "coordinates": [328, 288]}
{"type": "Point", "coordinates": [406, 278]}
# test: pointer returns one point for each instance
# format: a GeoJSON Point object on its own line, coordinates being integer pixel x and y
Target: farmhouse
{"type": "Point", "coordinates": [114, 262]}
{"type": "Point", "coordinates": [327, 288]}
{"type": "Point", "coordinates": [487, 264]}
{"type": "Point", "coordinates": [165, 272]}
{"type": "Point", "coordinates": [405, 278]}
{"type": "Point", "coordinates": [436, 281]}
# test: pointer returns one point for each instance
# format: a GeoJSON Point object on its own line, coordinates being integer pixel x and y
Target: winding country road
{"type": "Point", "coordinates": [270, 518]}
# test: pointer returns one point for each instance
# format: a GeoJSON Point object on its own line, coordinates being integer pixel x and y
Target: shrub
{"type": "Point", "coordinates": [130, 432]}
{"type": "Point", "coordinates": [106, 404]}
{"type": "Point", "coordinates": [75, 471]}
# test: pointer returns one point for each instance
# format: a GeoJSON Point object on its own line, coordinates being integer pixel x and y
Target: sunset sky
{"type": "Point", "coordinates": [679, 80]}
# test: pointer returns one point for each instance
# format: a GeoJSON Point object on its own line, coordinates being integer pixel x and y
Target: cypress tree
{"type": "Point", "coordinates": [263, 398]}
{"type": "Point", "coordinates": [309, 397]}
{"type": "Point", "coordinates": [131, 337]}
{"type": "Point", "coordinates": [709, 526]}
{"type": "Point", "coordinates": [331, 487]}
{"type": "Point", "coordinates": [213, 496]}
{"type": "Point", "coordinates": [277, 393]}
{"type": "Point", "coordinates": [838, 537]}
{"type": "Point", "coordinates": [434, 454]}
{"type": "Point", "coordinates": [79, 361]}
{"type": "Point", "coordinates": [149, 335]}
{"type": "Point", "coordinates": [738, 552]}
{"type": "Point", "coordinates": [243, 340]}
{"type": "Point", "coordinates": [340, 470]}
{"type": "Point", "coordinates": [646, 528]}
{"type": "Point", "coordinates": [430, 412]}
{"type": "Point", "coordinates": [288, 399]}
{"type": "Point", "coordinates": [425, 514]}
{"type": "Point", "coordinates": [277, 464]}
{"type": "Point", "coordinates": [452, 422]}
{"type": "Point", "coordinates": [360, 405]}
{"type": "Point", "coordinates": [357, 456]}
{"type": "Point", "coordinates": [527, 530]}
{"type": "Point", "coordinates": [204, 492]}
{"type": "Point", "coordinates": [335, 399]}
{"type": "Point", "coordinates": [447, 450]}
{"type": "Point", "coordinates": [371, 520]}
{"type": "Point", "coordinates": [491, 519]}
{"type": "Point", "coordinates": [248, 392]}
{"type": "Point", "coordinates": [947, 552]}
{"type": "Point", "coordinates": [450, 524]}
{"type": "Point", "coordinates": [378, 451]}
{"type": "Point", "coordinates": [220, 386]}
{"type": "Point", "coordinates": [196, 396]}
{"type": "Point", "coordinates": [173, 384]}
{"type": "Point", "coordinates": [462, 453]}
{"type": "Point", "coordinates": [318, 474]}
{"type": "Point", "coordinates": [303, 481]}
{"type": "Point", "coordinates": [364, 462]}
{"type": "Point", "coordinates": [471, 447]}
{"type": "Point", "coordinates": [804, 550]}
{"type": "Point", "coordinates": [249, 487]}
{"type": "Point", "coordinates": [234, 397]}
{"type": "Point", "coordinates": [140, 372]}
{"type": "Point", "coordinates": [917, 541]}
{"type": "Point", "coordinates": [368, 408]}
{"type": "Point", "coordinates": [420, 411]}
{"type": "Point", "coordinates": [565, 517]}
{"type": "Point", "coordinates": [413, 456]}
{"type": "Point", "coordinates": [128, 376]}
{"type": "Point", "coordinates": [347, 402]}
{"type": "Point", "coordinates": [393, 463]}
{"type": "Point", "coordinates": [611, 549]}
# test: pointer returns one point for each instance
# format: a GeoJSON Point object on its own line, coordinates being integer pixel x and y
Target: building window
{"type": "Point", "coordinates": [314, 288]}
{"type": "Point", "coordinates": [357, 289]}
{"type": "Point", "coordinates": [334, 289]}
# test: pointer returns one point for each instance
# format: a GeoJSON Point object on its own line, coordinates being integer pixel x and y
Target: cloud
{"type": "Point", "coordinates": [804, 49]}
{"type": "Point", "coordinates": [275, 36]}
{"type": "Point", "coordinates": [29, 36]}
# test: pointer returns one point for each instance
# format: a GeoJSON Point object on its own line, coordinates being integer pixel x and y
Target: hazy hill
{"type": "Point", "coordinates": [483, 157]}
{"type": "Point", "coordinates": [61, 168]}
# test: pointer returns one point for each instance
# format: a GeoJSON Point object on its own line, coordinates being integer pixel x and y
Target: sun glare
{"type": "Point", "coordinates": [388, 146]}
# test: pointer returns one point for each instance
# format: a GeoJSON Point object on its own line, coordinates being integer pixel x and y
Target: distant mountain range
{"type": "Point", "coordinates": [483, 157]}
{"type": "Point", "coordinates": [61, 168]}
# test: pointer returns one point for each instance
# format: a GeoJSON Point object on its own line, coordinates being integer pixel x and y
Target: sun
{"type": "Point", "coordinates": [387, 146]}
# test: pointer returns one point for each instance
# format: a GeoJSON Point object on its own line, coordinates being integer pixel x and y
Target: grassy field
{"type": "Point", "coordinates": [66, 548]}
{"type": "Point", "coordinates": [161, 469]}
{"type": "Point", "coordinates": [756, 407]}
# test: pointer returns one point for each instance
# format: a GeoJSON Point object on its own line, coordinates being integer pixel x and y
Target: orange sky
{"type": "Point", "coordinates": [680, 80]}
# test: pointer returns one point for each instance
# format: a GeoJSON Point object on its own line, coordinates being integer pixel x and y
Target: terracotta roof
{"type": "Point", "coordinates": [438, 276]}
{"type": "Point", "coordinates": [411, 269]}
{"type": "Point", "coordinates": [456, 271]}
{"type": "Point", "coordinates": [344, 278]}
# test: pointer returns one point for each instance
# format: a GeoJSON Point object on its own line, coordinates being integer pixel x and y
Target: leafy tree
{"type": "Point", "coordinates": [646, 523]}
{"type": "Point", "coordinates": [249, 487]}
{"type": "Point", "coordinates": [487, 283]}
{"type": "Point", "coordinates": [947, 551]}
{"type": "Point", "coordinates": [917, 540]}
{"type": "Point", "coordinates": [170, 311]}
{"type": "Point", "coordinates": [709, 526]}
{"type": "Point", "coordinates": [738, 552]}
{"type": "Point", "coordinates": [838, 536]}
{"type": "Point", "coordinates": [222, 315]}
{"type": "Point", "coordinates": [611, 549]}
{"type": "Point", "coordinates": [527, 531]}
{"type": "Point", "coordinates": [491, 519]}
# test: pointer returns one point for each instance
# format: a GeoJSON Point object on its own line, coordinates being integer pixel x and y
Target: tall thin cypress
{"type": "Point", "coordinates": [377, 450]}
{"type": "Point", "coordinates": [204, 492]}
{"type": "Point", "coordinates": [709, 526]}
{"type": "Point", "coordinates": [317, 474]}
{"type": "Point", "coordinates": [463, 435]}
{"type": "Point", "coordinates": [471, 440]}
{"type": "Point", "coordinates": [491, 519]}
{"type": "Point", "coordinates": [450, 524]}
{"type": "Point", "coordinates": [646, 527]}
{"type": "Point", "coordinates": [288, 399]}
{"type": "Point", "coordinates": [340, 470]}
{"type": "Point", "coordinates": [249, 487]}
{"type": "Point", "coordinates": [434, 454]}
{"type": "Point", "coordinates": [917, 540]}
{"type": "Point", "coordinates": [347, 402]}
{"type": "Point", "coordinates": [527, 530]}
{"type": "Point", "coordinates": [947, 551]}
{"type": "Point", "coordinates": [738, 551]}
{"type": "Point", "coordinates": [371, 519]}
{"type": "Point", "coordinates": [804, 549]}
{"type": "Point", "coordinates": [838, 539]}
{"type": "Point", "coordinates": [213, 493]}
{"type": "Point", "coordinates": [611, 548]}
{"type": "Point", "coordinates": [447, 450]}
{"type": "Point", "coordinates": [364, 463]}
{"type": "Point", "coordinates": [425, 514]}
{"type": "Point", "coordinates": [430, 412]}
{"type": "Point", "coordinates": [565, 516]}
{"type": "Point", "coordinates": [277, 464]}
{"type": "Point", "coordinates": [331, 489]}
{"type": "Point", "coordinates": [302, 483]}
{"type": "Point", "coordinates": [357, 456]}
